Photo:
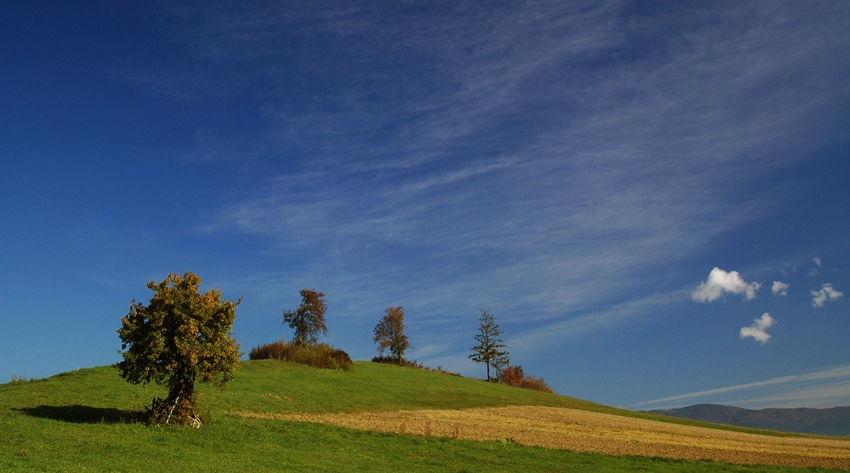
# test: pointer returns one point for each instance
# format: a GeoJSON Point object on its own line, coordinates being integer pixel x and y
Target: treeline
{"type": "Point", "coordinates": [308, 321]}
{"type": "Point", "coordinates": [182, 337]}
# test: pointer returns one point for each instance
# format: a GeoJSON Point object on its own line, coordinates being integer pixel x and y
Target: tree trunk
{"type": "Point", "coordinates": [178, 408]}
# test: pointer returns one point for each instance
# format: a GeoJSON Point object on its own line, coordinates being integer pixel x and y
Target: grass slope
{"type": "Point", "coordinates": [79, 421]}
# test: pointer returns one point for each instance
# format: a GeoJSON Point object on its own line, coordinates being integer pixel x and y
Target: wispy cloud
{"type": "Point", "coordinates": [816, 270]}
{"type": "Point", "coordinates": [826, 293]}
{"type": "Point", "coordinates": [720, 282]}
{"type": "Point", "coordinates": [818, 395]}
{"type": "Point", "coordinates": [577, 326]}
{"type": "Point", "coordinates": [758, 329]}
{"type": "Point", "coordinates": [508, 156]}
{"type": "Point", "coordinates": [814, 380]}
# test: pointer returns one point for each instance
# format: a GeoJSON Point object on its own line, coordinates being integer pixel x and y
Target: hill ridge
{"type": "Point", "coordinates": [826, 421]}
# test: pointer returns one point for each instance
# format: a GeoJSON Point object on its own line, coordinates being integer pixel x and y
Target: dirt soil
{"type": "Point", "coordinates": [572, 429]}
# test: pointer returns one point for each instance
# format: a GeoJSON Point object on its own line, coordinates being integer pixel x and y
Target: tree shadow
{"type": "Point", "coordinates": [79, 414]}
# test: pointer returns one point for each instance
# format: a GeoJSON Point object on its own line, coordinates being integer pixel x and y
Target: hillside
{"type": "Point", "coordinates": [278, 416]}
{"type": "Point", "coordinates": [833, 421]}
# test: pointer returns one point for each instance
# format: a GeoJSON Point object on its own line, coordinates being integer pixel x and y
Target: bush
{"type": "Point", "coordinates": [318, 356]}
{"type": "Point", "coordinates": [391, 360]}
{"type": "Point", "coordinates": [514, 376]}
{"type": "Point", "coordinates": [19, 379]}
{"type": "Point", "coordinates": [268, 351]}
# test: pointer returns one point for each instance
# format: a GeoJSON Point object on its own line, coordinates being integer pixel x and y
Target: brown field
{"type": "Point", "coordinates": [572, 429]}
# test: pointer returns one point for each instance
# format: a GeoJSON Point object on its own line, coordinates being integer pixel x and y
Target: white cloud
{"type": "Point", "coordinates": [814, 271]}
{"type": "Point", "coordinates": [720, 281]}
{"type": "Point", "coordinates": [757, 329]}
{"type": "Point", "coordinates": [779, 288]}
{"type": "Point", "coordinates": [827, 293]}
{"type": "Point", "coordinates": [811, 380]}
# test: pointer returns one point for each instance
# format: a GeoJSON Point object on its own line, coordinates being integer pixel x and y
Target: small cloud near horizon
{"type": "Point", "coordinates": [780, 288]}
{"type": "Point", "coordinates": [758, 329]}
{"type": "Point", "coordinates": [827, 293]}
{"type": "Point", "coordinates": [719, 282]}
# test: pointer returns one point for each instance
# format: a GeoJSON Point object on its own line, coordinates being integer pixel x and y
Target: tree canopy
{"type": "Point", "coordinates": [308, 320]}
{"type": "Point", "coordinates": [491, 350]}
{"type": "Point", "coordinates": [180, 338]}
{"type": "Point", "coordinates": [389, 333]}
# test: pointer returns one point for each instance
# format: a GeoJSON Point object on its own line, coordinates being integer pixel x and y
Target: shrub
{"type": "Point", "coordinates": [514, 376]}
{"type": "Point", "coordinates": [19, 379]}
{"type": "Point", "coordinates": [391, 360]}
{"type": "Point", "coordinates": [268, 351]}
{"type": "Point", "coordinates": [318, 356]}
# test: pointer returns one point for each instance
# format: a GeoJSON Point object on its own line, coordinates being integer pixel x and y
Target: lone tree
{"type": "Point", "coordinates": [180, 338]}
{"type": "Point", "coordinates": [491, 350]}
{"type": "Point", "coordinates": [389, 333]}
{"type": "Point", "coordinates": [308, 320]}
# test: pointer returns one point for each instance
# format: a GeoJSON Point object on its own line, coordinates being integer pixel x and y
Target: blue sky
{"type": "Point", "coordinates": [578, 169]}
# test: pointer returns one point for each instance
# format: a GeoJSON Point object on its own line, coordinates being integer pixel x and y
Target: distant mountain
{"type": "Point", "coordinates": [832, 421]}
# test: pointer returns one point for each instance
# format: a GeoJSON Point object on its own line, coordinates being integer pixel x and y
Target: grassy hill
{"type": "Point", "coordinates": [82, 421]}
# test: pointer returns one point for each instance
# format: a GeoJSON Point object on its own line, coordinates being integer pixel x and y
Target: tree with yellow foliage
{"type": "Point", "coordinates": [308, 320]}
{"type": "Point", "coordinates": [389, 333]}
{"type": "Point", "coordinates": [180, 338]}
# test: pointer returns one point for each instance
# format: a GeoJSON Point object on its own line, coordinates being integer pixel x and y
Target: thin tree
{"type": "Point", "coordinates": [308, 320]}
{"type": "Point", "coordinates": [491, 350]}
{"type": "Point", "coordinates": [389, 334]}
{"type": "Point", "coordinates": [180, 338]}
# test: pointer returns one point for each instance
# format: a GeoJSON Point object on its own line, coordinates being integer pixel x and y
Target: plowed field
{"type": "Point", "coordinates": [572, 429]}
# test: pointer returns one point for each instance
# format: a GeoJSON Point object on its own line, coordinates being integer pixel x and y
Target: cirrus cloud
{"type": "Point", "coordinates": [719, 282]}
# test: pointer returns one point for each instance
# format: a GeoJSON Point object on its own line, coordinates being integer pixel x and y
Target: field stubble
{"type": "Point", "coordinates": [579, 430]}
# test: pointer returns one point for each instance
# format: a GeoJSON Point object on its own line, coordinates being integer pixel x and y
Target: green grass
{"type": "Point", "coordinates": [371, 386]}
{"type": "Point", "coordinates": [82, 421]}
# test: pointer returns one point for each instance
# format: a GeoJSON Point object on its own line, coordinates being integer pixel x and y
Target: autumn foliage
{"type": "Point", "coordinates": [389, 334]}
{"type": "Point", "coordinates": [180, 338]}
{"type": "Point", "coordinates": [318, 356]}
{"type": "Point", "coordinates": [514, 376]}
{"type": "Point", "coordinates": [308, 320]}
